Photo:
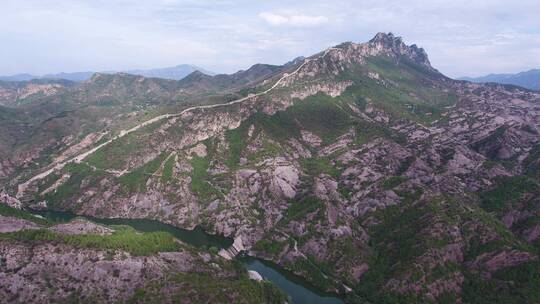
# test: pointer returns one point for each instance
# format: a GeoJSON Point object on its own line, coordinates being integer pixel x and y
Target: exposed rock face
{"type": "Point", "coordinates": [74, 149]}
{"type": "Point", "coordinates": [13, 93]}
{"type": "Point", "coordinates": [9, 200]}
{"type": "Point", "coordinates": [12, 224]}
{"type": "Point", "coordinates": [329, 89]}
{"type": "Point", "coordinates": [491, 262]}
{"type": "Point", "coordinates": [255, 275]}
{"type": "Point", "coordinates": [28, 271]}
{"type": "Point", "coordinates": [284, 178]}
{"type": "Point", "coordinates": [391, 44]}
{"type": "Point", "coordinates": [50, 271]}
{"type": "Point", "coordinates": [81, 226]}
{"type": "Point", "coordinates": [47, 273]}
{"type": "Point", "coordinates": [199, 150]}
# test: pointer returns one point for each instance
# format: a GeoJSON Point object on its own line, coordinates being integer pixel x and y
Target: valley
{"type": "Point", "coordinates": [299, 290]}
{"type": "Point", "coordinates": [81, 157]}
{"type": "Point", "coordinates": [360, 174]}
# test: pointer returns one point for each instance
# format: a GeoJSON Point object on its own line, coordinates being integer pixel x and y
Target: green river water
{"type": "Point", "coordinates": [298, 289]}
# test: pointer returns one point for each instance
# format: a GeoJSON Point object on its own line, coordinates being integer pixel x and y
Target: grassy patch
{"type": "Point", "coordinates": [506, 239]}
{"type": "Point", "coordinates": [199, 184]}
{"type": "Point", "coordinates": [408, 93]}
{"type": "Point", "coordinates": [6, 210]}
{"type": "Point", "coordinates": [321, 115]}
{"type": "Point", "coordinates": [345, 191]}
{"type": "Point", "coordinates": [72, 187]}
{"type": "Point", "coordinates": [269, 149]}
{"type": "Point", "coordinates": [269, 246]}
{"type": "Point", "coordinates": [507, 164]}
{"type": "Point", "coordinates": [316, 165]}
{"type": "Point", "coordinates": [508, 190]}
{"type": "Point", "coordinates": [237, 142]}
{"type": "Point", "coordinates": [123, 238]}
{"type": "Point", "coordinates": [365, 131]}
{"type": "Point", "coordinates": [312, 273]}
{"type": "Point", "coordinates": [135, 181]}
{"type": "Point", "coordinates": [397, 241]}
{"type": "Point", "coordinates": [166, 175]}
{"type": "Point", "coordinates": [207, 288]}
{"type": "Point", "coordinates": [410, 196]}
{"type": "Point", "coordinates": [301, 208]}
{"type": "Point", "coordinates": [280, 126]}
{"type": "Point", "coordinates": [112, 156]}
{"type": "Point", "coordinates": [532, 162]}
{"type": "Point", "coordinates": [393, 182]}
{"type": "Point", "coordinates": [510, 285]}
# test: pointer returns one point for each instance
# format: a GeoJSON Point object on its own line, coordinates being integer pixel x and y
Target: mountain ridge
{"type": "Point", "coordinates": [173, 73]}
{"type": "Point", "coordinates": [361, 168]}
{"type": "Point", "coordinates": [528, 79]}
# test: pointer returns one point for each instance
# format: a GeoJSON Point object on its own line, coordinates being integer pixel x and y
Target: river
{"type": "Point", "coordinates": [297, 288]}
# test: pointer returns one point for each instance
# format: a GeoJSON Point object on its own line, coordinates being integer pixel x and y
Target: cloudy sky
{"type": "Point", "coordinates": [462, 37]}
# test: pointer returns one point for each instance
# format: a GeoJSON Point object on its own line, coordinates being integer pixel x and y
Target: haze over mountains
{"type": "Point", "coordinates": [529, 79]}
{"type": "Point", "coordinates": [174, 73]}
{"type": "Point", "coordinates": [361, 169]}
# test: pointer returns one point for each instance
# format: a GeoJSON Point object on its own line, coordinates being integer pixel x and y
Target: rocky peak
{"type": "Point", "coordinates": [395, 45]}
{"type": "Point", "coordinates": [387, 40]}
{"type": "Point", "coordinates": [96, 77]}
{"type": "Point", "coordinates": [295, 61]}
{"type": "Point", "coordinates": [104, 80]}
{"type": "Point", "coordinates": [196, 75]}
{"type": "Point", "coordinates": [339, 58]}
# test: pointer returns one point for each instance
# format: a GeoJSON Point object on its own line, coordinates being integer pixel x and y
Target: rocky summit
{"type": "Point", "coordinates": [361, 170]}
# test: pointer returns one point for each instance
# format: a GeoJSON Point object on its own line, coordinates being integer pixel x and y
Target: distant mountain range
{"type": "Point", "coordinates": [175, 73]}
{"type": "Point", "coordinates": [529, 79]}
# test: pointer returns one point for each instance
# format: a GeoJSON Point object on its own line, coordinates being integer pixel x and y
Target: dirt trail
{"type": "Point", "coordinates": [77, 159]}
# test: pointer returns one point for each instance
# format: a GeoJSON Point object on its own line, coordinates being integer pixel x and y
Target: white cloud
{"type": "Point", "coordinates": [293, 20]}
{"type": "Point", "coordinates": [462, 37]}
{"type": "Point", "coordinates": [273, 19]}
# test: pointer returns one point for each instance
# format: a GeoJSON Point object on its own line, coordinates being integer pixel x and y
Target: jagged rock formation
{"type": "Point", "coordinates": [363, 169]}
{"type": "Point", "coordinates": [395, 47]}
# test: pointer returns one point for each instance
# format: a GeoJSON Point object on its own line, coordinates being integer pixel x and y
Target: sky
{"type": "Point", "coordinates": [461, 37]}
